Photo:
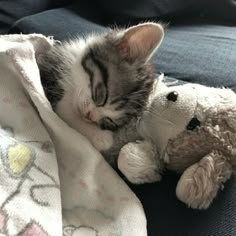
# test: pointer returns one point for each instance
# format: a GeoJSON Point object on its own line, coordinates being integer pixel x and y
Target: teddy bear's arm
{"type": "Point", "coordinates": [200, 182]}
{"type": "Point", "coordinates": [139, 162]}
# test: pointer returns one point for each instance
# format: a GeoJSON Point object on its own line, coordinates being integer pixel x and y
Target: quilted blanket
{"type": "Point", "coordinates": [52, 181]}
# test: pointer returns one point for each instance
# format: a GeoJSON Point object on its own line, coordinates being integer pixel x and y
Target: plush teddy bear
{"type": "Point", "coordinates": [190, 129]}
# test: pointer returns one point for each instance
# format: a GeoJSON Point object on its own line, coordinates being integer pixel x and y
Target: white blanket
{"type": "Point", "coordinates": [52, 181]}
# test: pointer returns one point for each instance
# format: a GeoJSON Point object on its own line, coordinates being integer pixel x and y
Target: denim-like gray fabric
{"type": "Point", "coordinates": [13, 10]}
{"type": "Point", "coordinates": [202, 53]}
{"type": "Point", "coordinates": [62, 23]}
{"type": "Point", "coordinates": [132, 11]}
{"type": "Point", "coordinates": [166, 216]}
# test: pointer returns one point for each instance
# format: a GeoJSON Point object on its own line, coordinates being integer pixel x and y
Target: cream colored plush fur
{"type": "Point", "coordinates": [205, 155]}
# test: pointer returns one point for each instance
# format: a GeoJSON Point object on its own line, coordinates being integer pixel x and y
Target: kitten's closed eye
{"type": "Point", "coordinates": [100, 95]}
{"type": "Point", "coordinates": [108, 124]}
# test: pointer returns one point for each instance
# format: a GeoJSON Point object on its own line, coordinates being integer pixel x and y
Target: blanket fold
{"type": "Point", "coordinates": [52, 181]}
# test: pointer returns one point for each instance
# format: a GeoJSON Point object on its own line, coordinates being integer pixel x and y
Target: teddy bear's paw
{"type": "Point", "coordinates": [138, 162]}
{"type": "Point", "coordinates": [195, 188]}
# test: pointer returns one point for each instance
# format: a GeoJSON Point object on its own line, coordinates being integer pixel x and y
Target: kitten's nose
{"type": "Point", "coordinates": [89, 116]}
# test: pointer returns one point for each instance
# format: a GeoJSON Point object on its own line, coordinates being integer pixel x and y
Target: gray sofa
{"type": "Point", "coordinates": [199, 46]}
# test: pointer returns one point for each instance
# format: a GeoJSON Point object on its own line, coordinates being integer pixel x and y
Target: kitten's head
{"type": "Point", "coordinates": [112, 80]}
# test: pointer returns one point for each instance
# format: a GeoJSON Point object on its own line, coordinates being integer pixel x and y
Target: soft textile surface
{"type": "Point", "coordinates": [87, 197]}
{"type": "Point", "coordinates": [11, 11]}
{"type": "Point", "coordinates": [199, 53]}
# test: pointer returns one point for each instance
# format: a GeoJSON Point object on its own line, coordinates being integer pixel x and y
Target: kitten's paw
{"type": "Point", "coordinates": [138, 162]}
{"type": "Point", "coordinates": [103, 140]}
{"type": "Point", "coordinates": [195, 188]}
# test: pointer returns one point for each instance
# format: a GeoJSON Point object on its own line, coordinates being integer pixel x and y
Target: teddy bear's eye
{"type": "Point", "coordinates": [173, 96]}
{"type": "Point", "coordinates": [193, 124]}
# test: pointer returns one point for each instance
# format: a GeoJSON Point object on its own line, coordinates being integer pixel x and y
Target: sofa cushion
{"type": "Point", "coordinates": [199, 52]}
{"type": "Point", "coordinates": [62, 23]}
{"type": "Point", "coordinates": [166, 215]}
{"type": "Point", "coordinates": [195, 52]}
{"type": "Point", "coordinates": [132, 11]}
{"type": "Point", "coordinates": [221, 10]}
{"type": "Point", "coordinates": [12, 10]}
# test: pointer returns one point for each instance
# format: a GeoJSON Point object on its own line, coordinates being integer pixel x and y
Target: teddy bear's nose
{"type": "Point", "coordinates": [173, 96]}
{"type": "Point", "coordinates": [193, 124]}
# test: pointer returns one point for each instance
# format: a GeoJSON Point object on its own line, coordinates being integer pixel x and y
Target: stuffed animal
{"type": "Point", "coordinates": [190, 129]}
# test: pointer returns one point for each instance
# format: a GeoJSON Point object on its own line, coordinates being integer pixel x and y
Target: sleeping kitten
{"type": "Point", "coordinates": [98, 84]}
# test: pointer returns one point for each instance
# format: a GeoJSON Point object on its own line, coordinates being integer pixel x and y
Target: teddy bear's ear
{"type": "Point", "coordinates": [195, 188]}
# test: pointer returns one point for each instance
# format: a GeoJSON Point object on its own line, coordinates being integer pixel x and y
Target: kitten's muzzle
{"type": "Point", "coordinates": [89, 116]}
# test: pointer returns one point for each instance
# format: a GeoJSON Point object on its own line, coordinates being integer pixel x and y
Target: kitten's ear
{"type": "Point", "coordinates": [139, 42]}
